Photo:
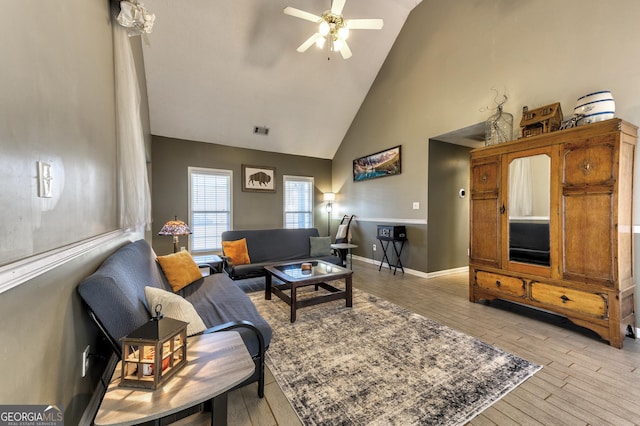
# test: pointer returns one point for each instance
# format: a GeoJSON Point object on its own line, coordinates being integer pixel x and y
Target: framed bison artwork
{"type": "Point", "coordinates": [258, 178]}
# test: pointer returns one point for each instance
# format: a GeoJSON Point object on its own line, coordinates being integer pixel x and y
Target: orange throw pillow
{"type": "Point", "coordinates": [236, 251]}
{"type": "Point", "coordinates": [180, 269]}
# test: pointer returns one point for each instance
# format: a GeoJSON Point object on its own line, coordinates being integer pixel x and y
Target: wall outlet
{"type": "Point", "coordinates": [85, 360]}
{"type": "Point", "coordinates": [416, 205]}
{"type": "Point", "coordinates": [374, 247]}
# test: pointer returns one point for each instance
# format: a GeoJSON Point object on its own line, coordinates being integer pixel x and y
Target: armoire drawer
{"type": "Point", "coordinates": [502, 283]}
{"type": "Point", "coordinates": [593, 304]}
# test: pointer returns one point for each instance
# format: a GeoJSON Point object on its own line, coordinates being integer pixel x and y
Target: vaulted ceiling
{"type": "Point", "coordinates": [217, 69]}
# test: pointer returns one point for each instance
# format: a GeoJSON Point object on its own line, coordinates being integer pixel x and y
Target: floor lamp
{"type": "Point", "coordinates": [329, 197]}
{"type": "Point", "coordinates": [174, 228]}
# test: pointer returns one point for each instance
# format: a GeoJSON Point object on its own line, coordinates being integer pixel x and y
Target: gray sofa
{"type": "Point", "coordinates": [269, 246]}
{"type": "Point", "coordinates": [116, 300]}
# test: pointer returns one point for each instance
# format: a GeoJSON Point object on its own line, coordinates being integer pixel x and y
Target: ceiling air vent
{"type": "Point", "coordinates": [258, 130]}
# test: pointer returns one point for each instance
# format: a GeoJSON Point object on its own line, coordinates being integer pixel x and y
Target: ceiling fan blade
{"type": "Point", "coordinates": [365, 24]}
{"type": "Point", "coordinates": [337, 6]}
{"type": "Point", "coordinates": [345, 51]}
{"type": "Point", "coordinates": [302, 14]}
{"type": "Point", "coordinates": [309, 42]}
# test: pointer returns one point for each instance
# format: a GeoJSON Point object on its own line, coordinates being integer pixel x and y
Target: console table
{"type": "Point", "coordinates": [216, 362]}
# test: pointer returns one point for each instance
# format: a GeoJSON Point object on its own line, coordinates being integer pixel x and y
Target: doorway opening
{"type": "Point", "coordinates": [448, 197]}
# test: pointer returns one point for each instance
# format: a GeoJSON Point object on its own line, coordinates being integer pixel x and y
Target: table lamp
{"type": "Point", "coordinates": [174, 228]}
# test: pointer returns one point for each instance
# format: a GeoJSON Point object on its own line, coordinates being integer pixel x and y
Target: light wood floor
{"type": "Point", "coordinates": [584, 381]}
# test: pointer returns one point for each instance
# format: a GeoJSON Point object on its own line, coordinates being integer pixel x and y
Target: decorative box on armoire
{"type": "Point", "coordinates": [551, 225]}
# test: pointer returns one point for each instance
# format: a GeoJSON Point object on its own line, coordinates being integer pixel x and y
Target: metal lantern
{"type": "Point", "coordinates": [154, 352]}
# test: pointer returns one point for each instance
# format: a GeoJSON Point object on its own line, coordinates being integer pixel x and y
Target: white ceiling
{"type": "Point", "coordinates": [215, 69]}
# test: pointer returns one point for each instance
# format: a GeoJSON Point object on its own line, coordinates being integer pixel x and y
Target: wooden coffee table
{"type": "Point", "coordinates": [293, 277]}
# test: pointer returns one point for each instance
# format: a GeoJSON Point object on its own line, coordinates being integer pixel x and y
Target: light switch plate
{"type": "Point", "coordinates": [44, 180]}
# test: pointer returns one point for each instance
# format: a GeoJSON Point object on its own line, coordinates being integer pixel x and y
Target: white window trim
{"type": "Point", "coordinates": [284, 196]}
{"type": "Point", "coordinates": [204, 170]}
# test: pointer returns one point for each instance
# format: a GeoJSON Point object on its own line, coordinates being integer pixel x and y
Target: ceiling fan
{"type": "Point", "coordinates": [333, 28]}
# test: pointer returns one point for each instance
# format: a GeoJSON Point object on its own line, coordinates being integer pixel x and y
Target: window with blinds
{"type": "Point", "coordinates": [298, 202]}
{"type": "Point", "coordinates": [209, 208]}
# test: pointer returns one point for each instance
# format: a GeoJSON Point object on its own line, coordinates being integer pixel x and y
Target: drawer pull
{"type": "Point", "coordinates": [498, 283]}
{"type": "Point", "coordinates": [564, 298]}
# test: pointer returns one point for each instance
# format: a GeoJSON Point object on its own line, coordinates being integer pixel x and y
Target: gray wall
{"type": "Point", "coordinates": [448, 235]}
{"type": "Point", "coordinates": [439, 77]}
{"type": "Point", "coordinates": [439, 246]}
{"type": "Point", "coordinates": [45, 328]}
{"type": "Point", "coordinates": [252, 210]}
{"type": "Point", "coordinates": [413, 253]}
{"type": "Point", "coordinates": [56, 105]}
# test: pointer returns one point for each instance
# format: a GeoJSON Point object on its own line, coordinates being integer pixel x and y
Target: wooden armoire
{"type": "Point", "coordinates": [551, 225]}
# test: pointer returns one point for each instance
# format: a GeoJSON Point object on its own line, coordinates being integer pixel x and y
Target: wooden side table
{"type": "Point", "coordinates": [216, 362]}
{"type": "Point", "coordinates": [214, 262]}
{"type": "Point", "coordinates": [346, 247]}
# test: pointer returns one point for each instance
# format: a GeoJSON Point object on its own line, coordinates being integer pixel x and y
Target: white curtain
{"type": "Point", "coordinates": [134, 198]}
{"type": "Point", "coordinates": [520, 188]}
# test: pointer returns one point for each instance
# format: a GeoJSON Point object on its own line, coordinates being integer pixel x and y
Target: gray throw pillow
{"type": "Point", "coordinates": [320, 246]}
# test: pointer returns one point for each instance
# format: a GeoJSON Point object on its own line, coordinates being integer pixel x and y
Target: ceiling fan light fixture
{"type": "Point", "coordinates": [337, 45]}
{"type": "Point", "coordinates": [324, 28]}
{"type": "Point", "coordinates": [332, 28]}
{"type": "Point", "coordinates": [343, 33]}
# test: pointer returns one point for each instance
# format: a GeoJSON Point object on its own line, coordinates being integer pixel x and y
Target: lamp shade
{"type": "Point", "coordinates": [175, 227]}
{"type": "Point", "coordinates": [329, 196]}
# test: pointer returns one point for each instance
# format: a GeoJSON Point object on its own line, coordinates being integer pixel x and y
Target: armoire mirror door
{"type": "Point", "coordinates": [528, 211]}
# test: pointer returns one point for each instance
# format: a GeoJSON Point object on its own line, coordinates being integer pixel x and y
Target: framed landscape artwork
{"type": "Point", "coordinates": [258, 178]}
{"type": "Point", "coordinates": [381, 164]}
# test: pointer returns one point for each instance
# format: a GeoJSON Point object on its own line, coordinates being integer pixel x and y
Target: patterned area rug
{"type": "Point", "coordinates": [380, 364]}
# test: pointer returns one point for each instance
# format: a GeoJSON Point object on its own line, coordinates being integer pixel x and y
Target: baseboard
{"type": "Point", "coordinates": [444, 272]}
{"type": "Point", "coordinates": [420, 274]}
